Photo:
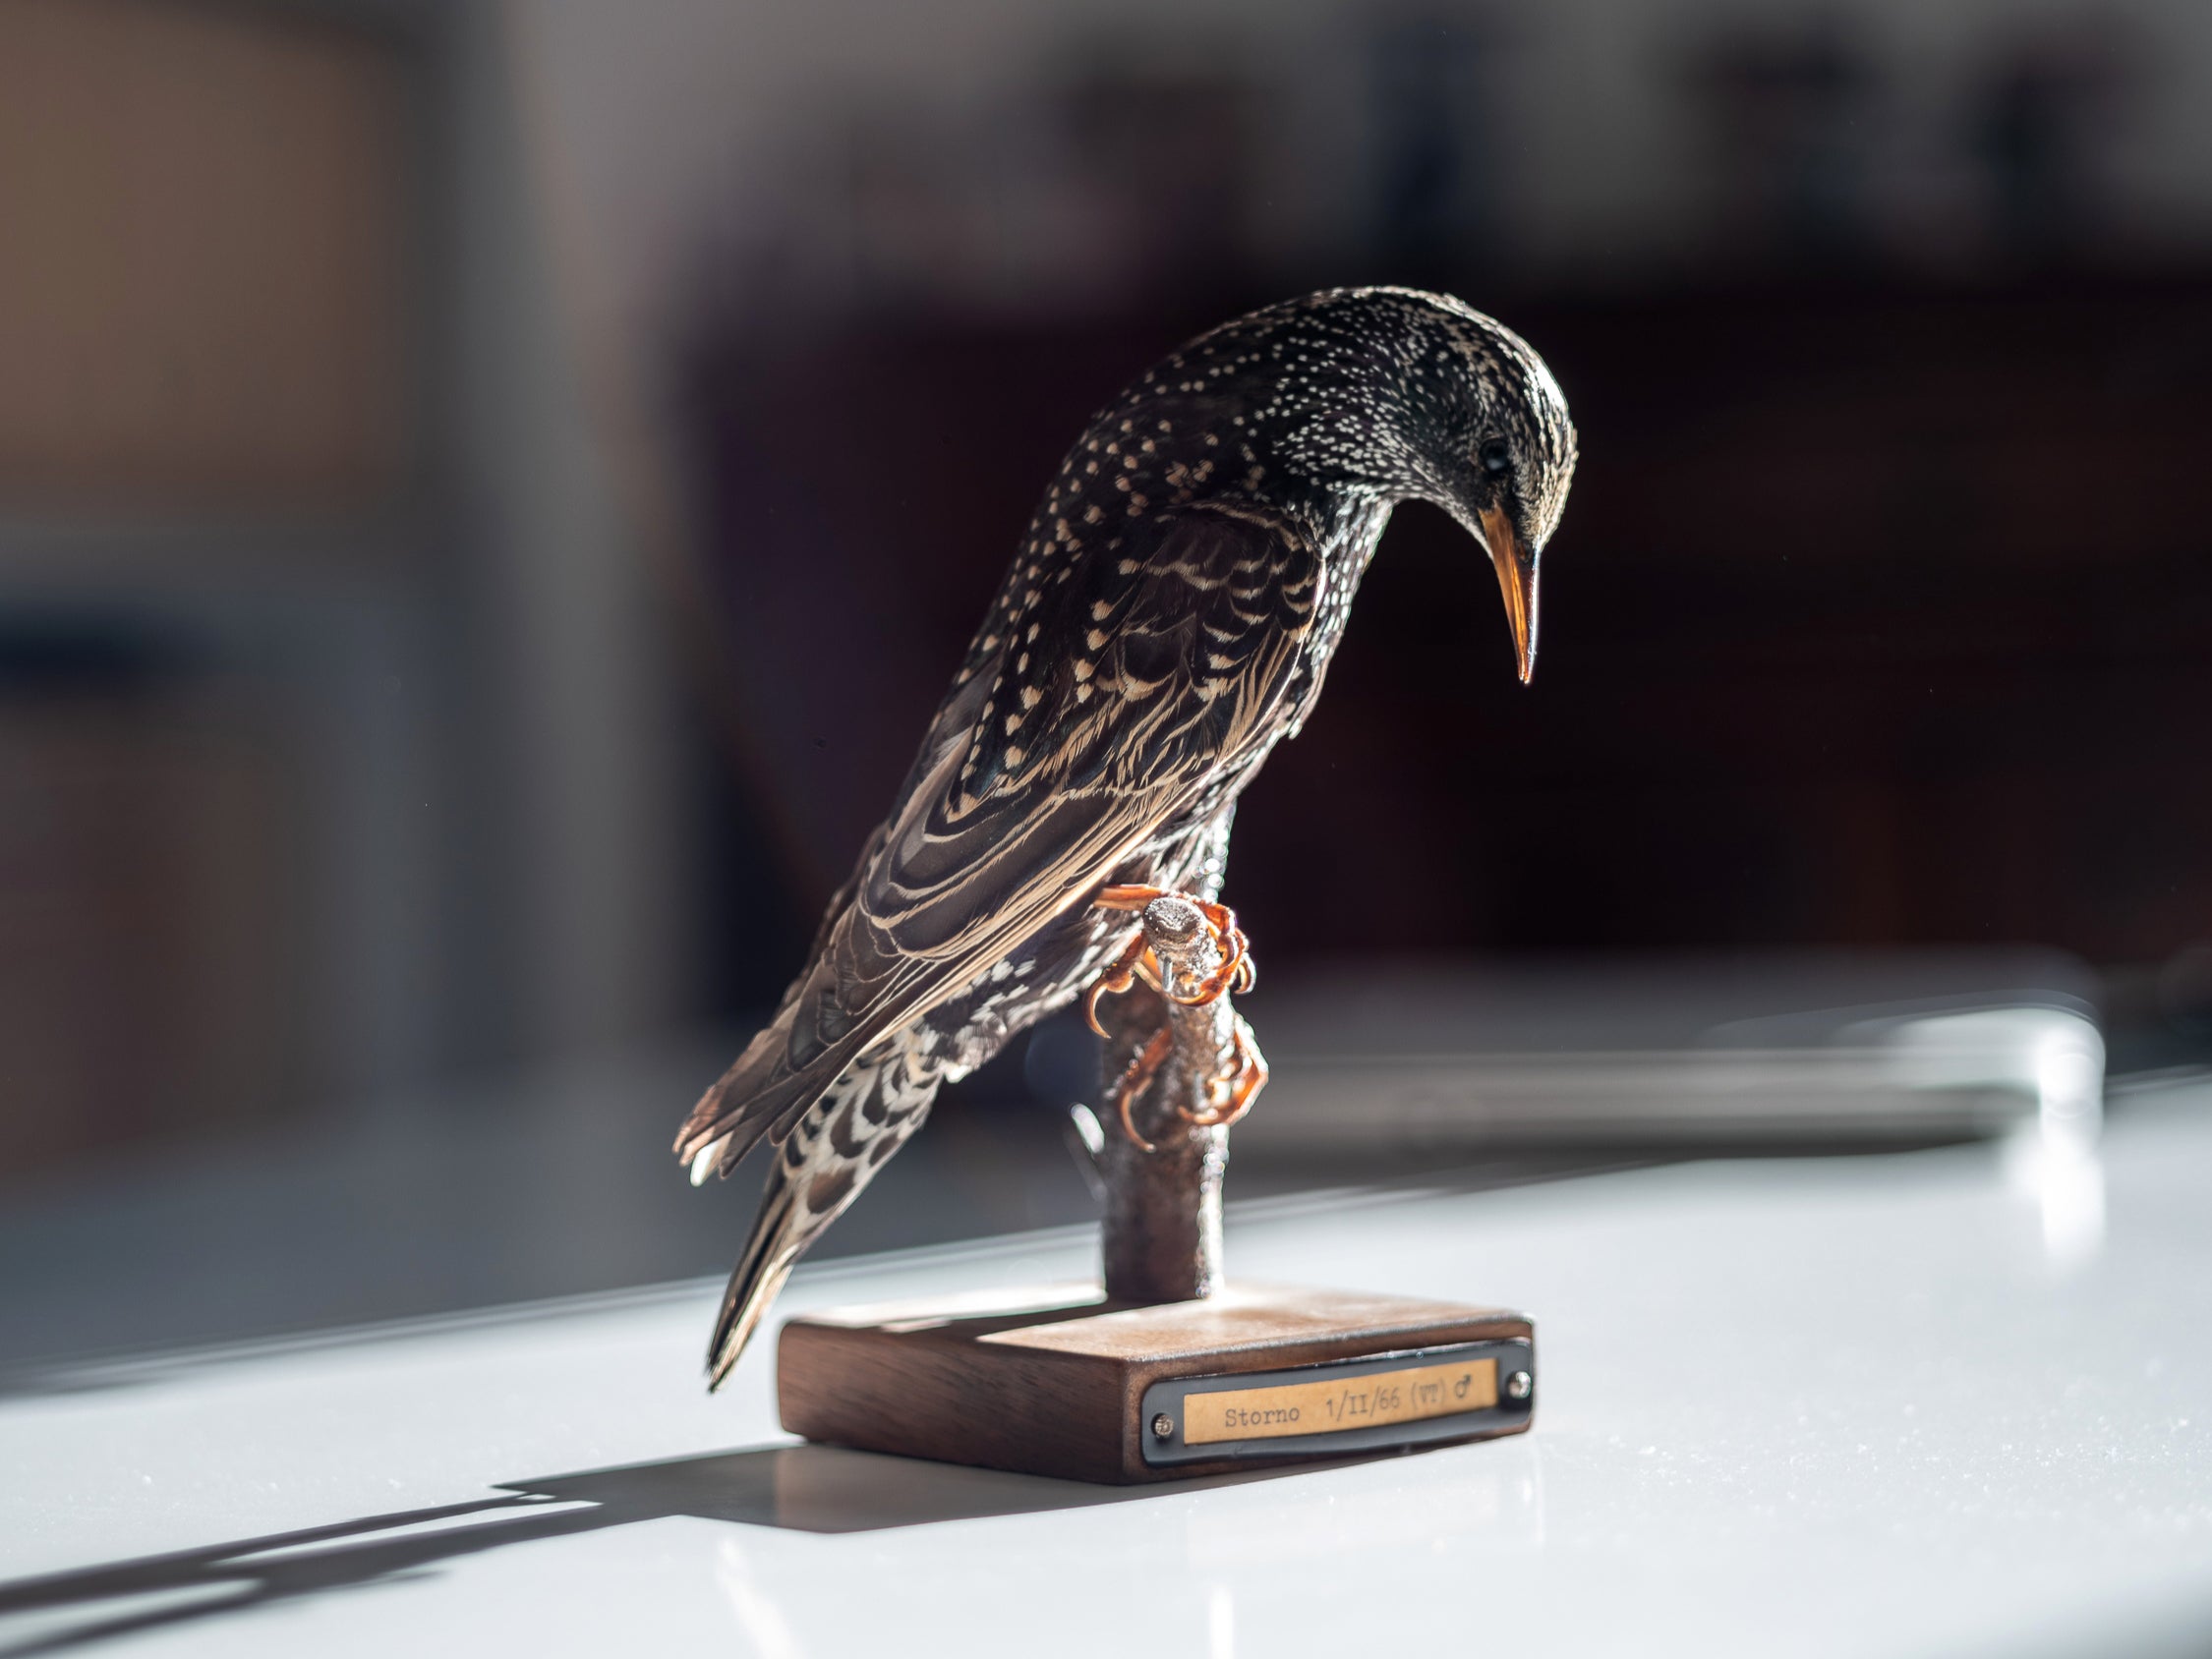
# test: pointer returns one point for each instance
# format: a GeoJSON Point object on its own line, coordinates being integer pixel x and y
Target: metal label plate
{"type": "Point", "coordinates": [1410, 1397]}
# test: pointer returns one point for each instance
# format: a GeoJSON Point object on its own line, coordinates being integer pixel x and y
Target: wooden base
{"type": "Point", "coordinates": [1059, 1382]}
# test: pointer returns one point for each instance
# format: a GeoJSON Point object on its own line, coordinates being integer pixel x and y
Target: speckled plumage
{"type": "Point", "coordinates": [1167, 620]}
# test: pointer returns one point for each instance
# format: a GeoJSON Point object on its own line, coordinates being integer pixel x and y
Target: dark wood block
{"type": "Point", "coordinates": [1060, 1382]}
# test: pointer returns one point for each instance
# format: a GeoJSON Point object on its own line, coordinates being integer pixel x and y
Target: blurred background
{"type": "Point", "coordinates": [489, 494]}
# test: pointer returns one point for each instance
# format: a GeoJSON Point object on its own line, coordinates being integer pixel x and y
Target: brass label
{"type": "Point", "coordinates": [1346, 1403]}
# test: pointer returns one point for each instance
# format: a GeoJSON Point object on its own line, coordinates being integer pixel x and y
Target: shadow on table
{"type": "Point", "coordinates": [801, 1488]}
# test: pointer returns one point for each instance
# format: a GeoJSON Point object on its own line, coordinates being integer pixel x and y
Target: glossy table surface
{"type": "Point", "coordinates": [1956, 1402]}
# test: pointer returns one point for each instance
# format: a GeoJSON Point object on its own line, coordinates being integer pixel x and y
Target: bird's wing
{"type": "Point", "coordinates": [1116, 680]}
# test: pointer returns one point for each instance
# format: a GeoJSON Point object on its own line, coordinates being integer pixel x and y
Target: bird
{"type": "Point", "coordinates": [1169, 617]}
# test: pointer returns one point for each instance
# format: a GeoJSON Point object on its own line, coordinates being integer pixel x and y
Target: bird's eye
{"type": "Point", "coordinates": [1495, 457]}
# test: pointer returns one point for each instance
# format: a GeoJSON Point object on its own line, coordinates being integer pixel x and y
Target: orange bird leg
{"type": "Point", "coordinates": [1140, 1073]}
{"type": "Point", "coordinates": [1127, 898]}
{"type": "Point", "coordinates": [1236, 971]}
{"type": "Point", "coordinates": [1136, 962]}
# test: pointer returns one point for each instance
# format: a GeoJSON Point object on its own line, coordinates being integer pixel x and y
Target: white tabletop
{"type": "Point", "coordinates": [1950, 1401]}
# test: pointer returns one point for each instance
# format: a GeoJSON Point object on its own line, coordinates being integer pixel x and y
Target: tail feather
{"type": "Point", "coordinates": [771, 1252]}
{"type": "Point", "coordinates": [865, 1116]}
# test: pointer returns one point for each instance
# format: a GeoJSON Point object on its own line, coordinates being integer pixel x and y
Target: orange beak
{"type": "Point", "coordinates": [1517, 581]}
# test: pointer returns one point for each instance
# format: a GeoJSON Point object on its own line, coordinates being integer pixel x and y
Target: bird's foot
{"type": "Point", "coordinates": [1230, 1097]}
{"type": "Point", "coordinates": [1149, 1061]}
{"type": "Point", "coordinates": [1223, 946]}
{"type": "Point", "coordinates": [1236, 971]}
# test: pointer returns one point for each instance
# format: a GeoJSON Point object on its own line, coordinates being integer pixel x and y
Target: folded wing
{"type": "Point", "coordinates": [1113, 684]}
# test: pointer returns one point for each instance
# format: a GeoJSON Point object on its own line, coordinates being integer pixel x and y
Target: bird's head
{"type": "Point", "coordinates": [1499, 452]}
{"type": "Point", "coordinates": [1401, 394]}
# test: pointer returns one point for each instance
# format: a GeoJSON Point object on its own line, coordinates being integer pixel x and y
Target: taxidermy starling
{"type": "Point", "coordinates": [1168, 619]}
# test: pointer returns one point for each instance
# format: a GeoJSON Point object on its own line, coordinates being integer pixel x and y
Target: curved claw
{"type": "Point", "coordinates": [1251, 1080]}
{"type": "Point", "coordinates": [1241, 1089]}
{"type": "Point", "coordinates": [1141, 1069]}
{"type": "Point", "coordinates": [1114, 981]}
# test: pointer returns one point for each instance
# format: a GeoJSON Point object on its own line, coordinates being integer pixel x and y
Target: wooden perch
{"type": "Point", "coordinates": [1162, 1226]}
